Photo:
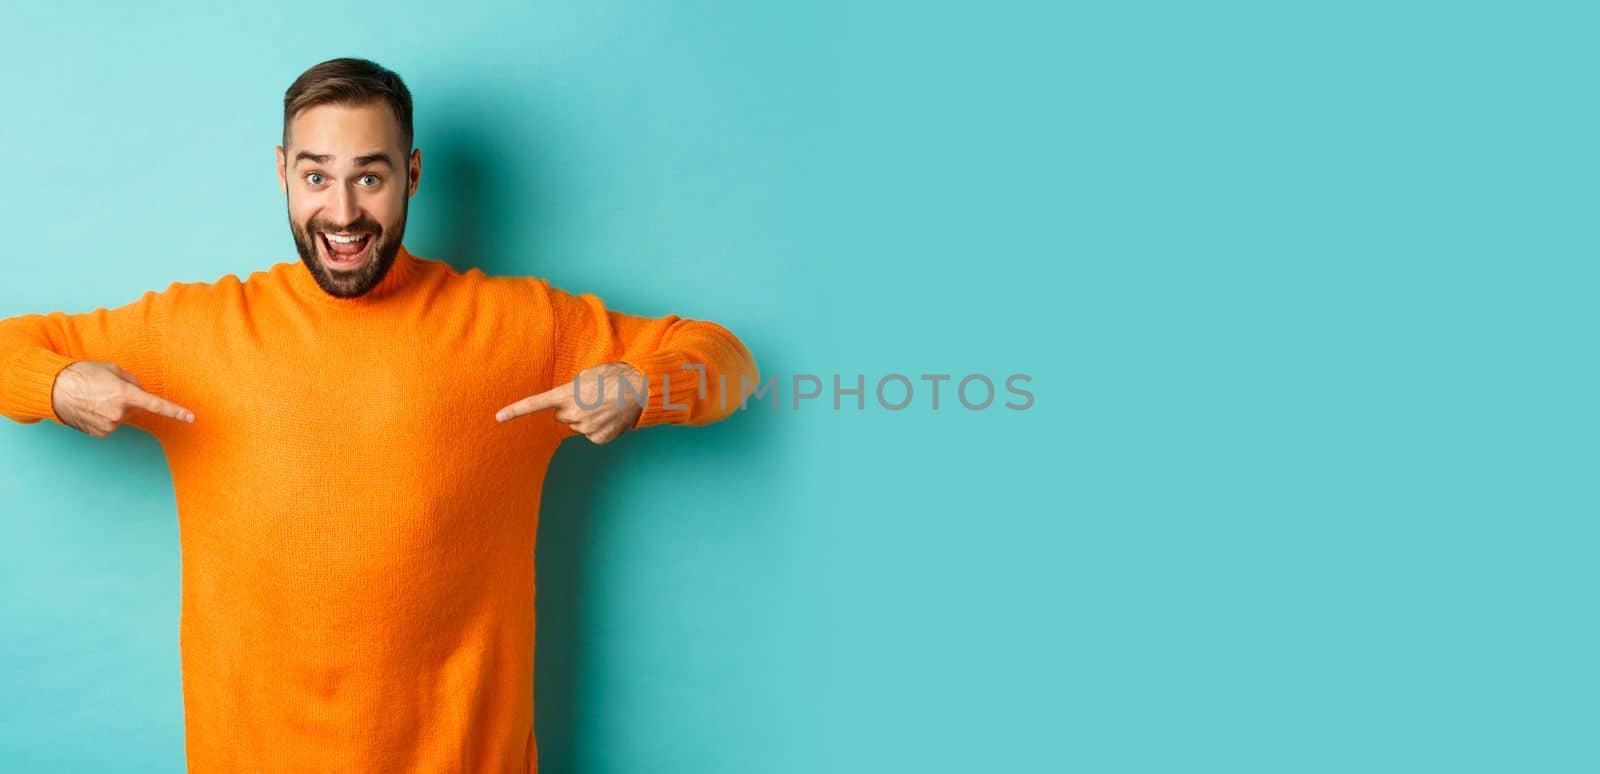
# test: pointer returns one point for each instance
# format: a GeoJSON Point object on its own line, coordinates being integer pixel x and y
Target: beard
{"type": "Point", "coordinates": [383, 248]}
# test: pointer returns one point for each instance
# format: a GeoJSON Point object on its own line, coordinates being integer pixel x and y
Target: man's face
{"type": "Point", "coordinates": [348, 179]}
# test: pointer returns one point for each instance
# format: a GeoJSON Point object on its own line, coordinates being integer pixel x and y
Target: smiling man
{"type": "Point", "coordinates": [335, 225]}
{"type": "Point", "coordinates": [358, 442]}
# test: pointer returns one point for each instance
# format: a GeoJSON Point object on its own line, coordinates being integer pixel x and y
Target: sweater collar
{"type": "Point", "coordinates": [401, 274]}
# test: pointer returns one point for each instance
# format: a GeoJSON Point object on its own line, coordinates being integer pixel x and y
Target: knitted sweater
{"type": "Point", "coordinates": [357, 531]}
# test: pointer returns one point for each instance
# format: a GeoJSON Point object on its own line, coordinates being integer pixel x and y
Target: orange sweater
{"type": "Point", "coordinates": [357, 531]}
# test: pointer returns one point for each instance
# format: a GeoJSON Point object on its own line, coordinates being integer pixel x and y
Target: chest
{"type": "Point", "coordinates": [370, 404]}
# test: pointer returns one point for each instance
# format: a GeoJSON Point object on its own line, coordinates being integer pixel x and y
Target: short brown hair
{"type": "Point", "coordinates": [348, 81]}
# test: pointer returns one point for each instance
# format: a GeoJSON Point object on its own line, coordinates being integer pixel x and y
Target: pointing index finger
{"type": "Point", "coordinates": [159, 405]}
{"type": "Point", "coordinates": [551, 398]}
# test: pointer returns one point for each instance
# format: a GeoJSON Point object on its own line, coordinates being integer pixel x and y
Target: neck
{"type": "Point", "coordinates": [393, 281]}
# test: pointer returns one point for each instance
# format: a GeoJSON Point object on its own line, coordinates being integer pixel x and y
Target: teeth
{"type": "Point", "coordinates": [343, 240]}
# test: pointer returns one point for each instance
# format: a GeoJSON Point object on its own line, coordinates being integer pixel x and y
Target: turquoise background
{"type": "Point", "coordinates": [1305, 290]}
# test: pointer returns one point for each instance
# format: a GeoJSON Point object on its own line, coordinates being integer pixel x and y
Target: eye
{"type": "Point", "coordinates": [373, 178]}
{"type": "Point", "coordinates": [314, 178]}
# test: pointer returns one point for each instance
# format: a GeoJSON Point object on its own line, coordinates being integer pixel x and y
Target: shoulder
{"type": "Point", "coordinates": [519, 291]}
{"type": "Point", "coordinates": [201, 293]}
{"type": "Point", "coordinates": [483, 294]}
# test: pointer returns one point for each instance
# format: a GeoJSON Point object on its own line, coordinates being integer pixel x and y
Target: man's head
{"type": "Point", "coordinates": [348, 170]}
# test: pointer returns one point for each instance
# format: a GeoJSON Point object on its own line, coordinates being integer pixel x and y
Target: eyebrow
{"type": "Point", "coordinates": [361, 161]}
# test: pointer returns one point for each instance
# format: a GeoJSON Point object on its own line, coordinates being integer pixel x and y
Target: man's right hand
{"type": "Point", "coordinates": [97, 397]}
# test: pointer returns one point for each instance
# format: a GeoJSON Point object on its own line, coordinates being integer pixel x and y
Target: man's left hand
{"type": "Point", "coordinates": [614, 411]}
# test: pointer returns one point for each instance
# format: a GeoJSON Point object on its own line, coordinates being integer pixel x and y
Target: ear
{"type": "Point", "coordinates": [283, 180]}
{"type": "Point", "coordinates": [413, 172]}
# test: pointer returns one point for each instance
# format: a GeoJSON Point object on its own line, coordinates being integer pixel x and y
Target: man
{"type": "Point", "coordinates": [358, 442]}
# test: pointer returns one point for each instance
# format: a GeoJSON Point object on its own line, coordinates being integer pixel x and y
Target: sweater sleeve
{"type": "Point", "coordinates": [34, 348]}
{"type": "Point", "coordinates": [695, 369]}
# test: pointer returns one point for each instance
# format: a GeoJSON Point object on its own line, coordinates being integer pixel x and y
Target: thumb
{"type": "Point", "coordinates": [551, 398]}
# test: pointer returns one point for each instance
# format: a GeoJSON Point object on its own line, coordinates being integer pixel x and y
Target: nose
{"type": "Point", "coordinates": [342, 209]}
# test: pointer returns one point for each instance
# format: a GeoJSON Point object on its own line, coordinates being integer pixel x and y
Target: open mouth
{"type": "Point", "coordinates": [344, 251]}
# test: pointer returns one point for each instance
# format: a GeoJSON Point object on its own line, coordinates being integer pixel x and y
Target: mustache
{"type": "Point", "coordinates": [363, 226]}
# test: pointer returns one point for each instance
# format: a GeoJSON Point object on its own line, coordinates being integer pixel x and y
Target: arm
{"type": "Point", "coordinates": [90, 371]}
{"type": "Point", "coordinates": [691, 372]}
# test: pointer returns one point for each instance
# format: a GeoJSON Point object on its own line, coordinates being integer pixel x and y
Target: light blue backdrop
{"type": "Point", "coordinates": [1306, 295]}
